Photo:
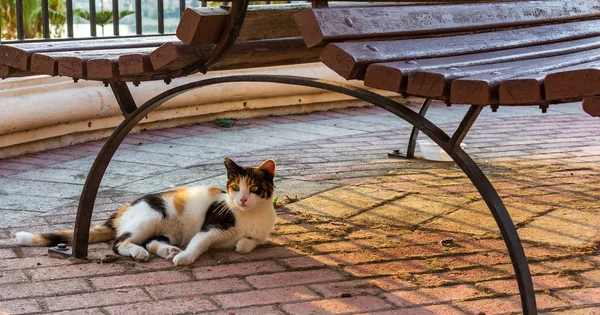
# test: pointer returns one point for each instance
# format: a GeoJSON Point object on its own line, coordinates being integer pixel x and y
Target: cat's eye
{"type": "Point", "coordinates": [235, 188]}
{"type": "Point", "coordinates": [254, 189]}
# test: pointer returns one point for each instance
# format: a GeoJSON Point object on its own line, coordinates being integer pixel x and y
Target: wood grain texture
{"type": "Point", "coordinates": [591, 105]}
{"type": "Point", "coordinates": [201, 26]}
{"type": "Point", "coordinates": [393, 76]}
{"type": "Point", "coordinates": [340, 24]}
{"type": "Point", "coordinates": [18, 55]}
{"type": "Point", "coordinates": [573, 82]}
{"type": "Point", "coordinates": [351, 59]}
{"type": "Point", "coordinates": [482, 89]}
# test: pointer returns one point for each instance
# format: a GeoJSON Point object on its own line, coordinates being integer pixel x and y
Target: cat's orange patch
{"type": "Point", "coordinates": [179, 199]}
{"type": "Point", "coordinates": [100, 233]}
{"type": "Point", "coordinates": [153, 248]}
{"type": "Point", "coordinates": [214, 191]}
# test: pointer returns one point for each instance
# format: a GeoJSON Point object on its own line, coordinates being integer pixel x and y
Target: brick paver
{"type": "Point", "coordinates": [358, 233]}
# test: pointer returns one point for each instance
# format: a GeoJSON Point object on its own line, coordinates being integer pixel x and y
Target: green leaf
{"type": "Point", "coordinates": [225, 122]}
{"type": "Point", "coordinates": [474, 198]}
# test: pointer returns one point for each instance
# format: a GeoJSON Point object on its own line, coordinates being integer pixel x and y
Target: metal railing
{"type": "Point", "coordinates": [93, 23]}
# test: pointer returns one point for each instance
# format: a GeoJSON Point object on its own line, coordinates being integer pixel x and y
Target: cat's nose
{"type": "Point", "coordinates": [243, 200]}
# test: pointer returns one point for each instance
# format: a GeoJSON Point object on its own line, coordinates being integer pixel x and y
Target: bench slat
{"type": "Point", "coordinates": [591, 105]}
{"type": "Point", "coordinates": [201, 26]}
{"type": "Point", "coordinates": [174, 56]}
{"type": "Point", "coordinates": [522, 90]}
{"type": "Point", "coordinates": [337, 24]}
{"type": "Point", "coordinates": [135, 64]}
{"type": "Point", "coordinates": [8, 72]}
{"type": "Point", "coordinates": [350, 60]}
{"type": "Point", "coordinates": [573, 82]}
{"type": "Point", "coordinates": [18, 55]}
{"type": "Point", "coordinates": [482, 89]}
{"type": "Point", "coordinates": [392, 76]}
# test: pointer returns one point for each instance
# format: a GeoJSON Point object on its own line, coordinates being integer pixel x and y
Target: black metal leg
{"type": "Point", "coordinates": [412, 142]}
{"type": "Point", "coordinates": [477, 177]}
{"type": "Point", "coordinates": [465, 125]}
{"type": "Point", "coordinates": [124, 97]}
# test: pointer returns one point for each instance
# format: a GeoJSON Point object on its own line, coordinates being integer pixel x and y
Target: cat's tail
{"type": "Point", "coordinates": [98, 234]}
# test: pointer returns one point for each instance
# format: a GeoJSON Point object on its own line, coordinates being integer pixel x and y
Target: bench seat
{"type": "Point", "coordinates": [529, 53]}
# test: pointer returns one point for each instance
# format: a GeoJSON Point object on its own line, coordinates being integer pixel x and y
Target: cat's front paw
{"type": "Point", "coordinates": [140, 254]}
{"type": "Point", "coordinates": [245, 245]}
{"type": "Point", "coordinates": [183, 258]}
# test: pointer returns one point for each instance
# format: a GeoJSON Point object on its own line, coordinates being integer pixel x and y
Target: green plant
{"type": "Point", "coordinates": [103, 17]}
{"type": "Point", "coordinates": [32, 18]}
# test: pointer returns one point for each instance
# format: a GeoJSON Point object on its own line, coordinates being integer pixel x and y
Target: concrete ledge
{"type": "Point", "coordinates": [41, 113]}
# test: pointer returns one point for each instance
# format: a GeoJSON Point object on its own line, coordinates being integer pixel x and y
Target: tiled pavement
{"type": "Point", "coordinates": [357, 232]}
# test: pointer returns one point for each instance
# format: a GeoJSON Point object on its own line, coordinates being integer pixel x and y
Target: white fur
{"type": "Point", "coordinates": [253, 224]}
{"type": "Point", "coordinates": [24, 238]}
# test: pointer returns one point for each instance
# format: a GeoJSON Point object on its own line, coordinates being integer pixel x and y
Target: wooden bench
{"type": "Point", "coordinates": [508, 53]}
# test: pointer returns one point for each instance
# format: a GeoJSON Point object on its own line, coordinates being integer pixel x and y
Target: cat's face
{"type": "Point", "coordinates": [250, 186]}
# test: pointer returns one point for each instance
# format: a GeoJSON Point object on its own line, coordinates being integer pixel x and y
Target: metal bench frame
{"type": "Point", "coordinates": [451, 144]}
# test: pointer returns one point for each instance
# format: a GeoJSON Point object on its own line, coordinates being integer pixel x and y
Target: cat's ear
{"type": "Point", "coordinates": [268, 167]}
{"type": "Point", "coordinates": [233, 170]}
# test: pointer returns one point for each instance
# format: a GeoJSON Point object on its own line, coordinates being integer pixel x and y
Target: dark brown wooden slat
{"type": "Point", "coordinates": [201, 26]}
{"type": "Point", "coordinates": [523, 90]}
{"type": "Point", "coordinates": [18, 55]}
{"type": "Point", "coordinates": [393, 76]}
{"type": "Point", "coordinates": [76, 66]}
{"type": "Point", "coordinates": [8, 72]}
{"type": "Point", "coordinates": [350, 60]}
{"type": "Point", "coordinates": [135, 64]}
{"type": "Point", "coordinates": [591, 105]}
{"type": "Point", "coordinates": [175, 56]}
{"type": "Point", "coordinates": [483, 89]}
{"type": "Point", "coordinates": [573, 82]}
{"type": "Point", "coordinates": [330, 24]}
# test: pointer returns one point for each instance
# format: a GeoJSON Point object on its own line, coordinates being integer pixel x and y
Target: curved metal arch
{"type": "Point", "coordinates": [470, 168]}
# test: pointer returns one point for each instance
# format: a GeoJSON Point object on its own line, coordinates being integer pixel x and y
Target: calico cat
{"type": "Point", "coordinates": [199, 217]}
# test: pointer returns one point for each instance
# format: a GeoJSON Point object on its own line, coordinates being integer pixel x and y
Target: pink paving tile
{"type": "Point", "coordinates": [195, 288]}
{"type": "Point", "coordinates": [584, 296]}
{"type": "Point", "coordinates": [301, 262]}
{"type": "Point", "coordinates": [32, 262]}
{"type": "Point", "coordinates": [293, 278]}
{"type": "Point", "coordinates": [239, 269]}
{"type": "Point", "coordinates": [265, 297]}
{"type": "Point", "coordinates": [19, 307]}
{"type": "Point", "coordinates": [257, 254]}
{"type": "Point", "coordinates": [351, 288]}
{"type": "Point", "coordinates": [349, 305]}
{"type": "Point", "coordinates": [95, 299]}
{"type": "Point", "coordinates": [7, 253]}
{"type": "Point", "coordinates": [506, 305]}
{"type": "Point", "coordinates": [46, 288]}
{"type": "Point", "coordinates": [88, 311]}
{"type": "Point", "coordinates": [428, 310]}
{"type": "Point", "coordinates": [262, 310]}
{"type": "Point", "coordinates": [433, 295]}
{"type": "Point", "coordinates": [74, 271]}
{"type": "Point", "coordinates": [139, 279]}
{"type": "Point", "coordinates": [14, 165]}
{"type": "Point", "coordinates": [12, 276]}
{"type": "Point", "coordinates": [7, 172]}
{"type": "Point", "coordinates": [178, 306]}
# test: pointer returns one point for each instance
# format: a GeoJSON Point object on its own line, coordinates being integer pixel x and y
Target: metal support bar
{"type": "Point", "coordinates": [70, 18]}
{"type": "Point", "coordinates": [477, 177]}
{"type": "Point", "coordinates": [45, 19]}
{"type": "Point", "coordinates": [124, 97]}
{"type": "Point", "coordinates": [20, 20]}
{"type": "Point", "coordinates": [465, 125]}
{"type": "Point", "coordinates": [115, 21]}
{"type": "Point", "coordinates": [412, 142]}
{"type": "Point", "coordinates": [138, 17]}
{"type": "Point", "coordinates": [160, 7]}
{"type": "Point", "coordinates": [93, 18]}
{"type": "Point", "coordinates": [182, 6]}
